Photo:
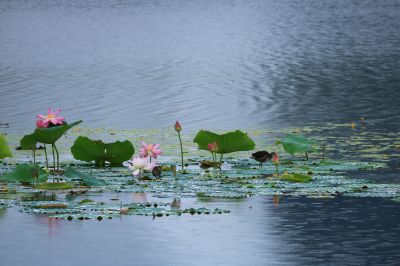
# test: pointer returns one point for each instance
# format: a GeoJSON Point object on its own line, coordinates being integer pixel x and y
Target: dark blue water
{"type": "Point", "coordinates": [209, 63]}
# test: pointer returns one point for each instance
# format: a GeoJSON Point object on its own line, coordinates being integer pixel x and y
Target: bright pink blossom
{"type": "Point", "coordinates": [51, 117]}
{"type": "Point", "coordinates": [151, 150]}
{"type": "Point", "coordinates": [40, 124]}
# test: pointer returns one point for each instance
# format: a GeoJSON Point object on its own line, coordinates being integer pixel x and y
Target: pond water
{"type": "Point", "coordinates": [221, 64]}
{"type": "Point", "coordinates": [211, 64]}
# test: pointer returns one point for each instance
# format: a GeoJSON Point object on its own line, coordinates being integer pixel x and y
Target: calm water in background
{"type": "Point", "coordinates": [221, 64]}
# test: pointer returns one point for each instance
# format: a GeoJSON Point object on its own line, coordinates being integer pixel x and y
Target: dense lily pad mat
{"type": "Point", "coordinates": [349, 152]}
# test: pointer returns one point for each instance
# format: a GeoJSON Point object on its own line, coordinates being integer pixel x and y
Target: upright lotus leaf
{"type": "Point", "coordinates": [52, 134]}
{"type": "Point", "coordinates": [227, 143]}
{"type": "Point", "coordinates": [4, 149]}
{"type": "Point", "coordinates": [297, 143]}
{"type": "Point", "coordinates": [27, 173]}
{"type": "Point", "coordinates": [119, 152]}
{"type": "Point", "coordinates": [28, 142]}
{"type": "Point", "coordinates": [88, 150]}
{"type": "Point", "coordinates": [87, 179]}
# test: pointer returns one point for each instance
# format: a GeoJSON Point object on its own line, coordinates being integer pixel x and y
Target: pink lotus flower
{"type": "Point", "coordinates": [151, 150]}
{"type": "Point", "coordinates": [51, 117]}
{"type": "Point", "coordinates": [138, 164]}
{"type": "Point", "coordinates": [40, 124]}
{"type": "Point", "coordinates": [212, 147]}
{"type": "Point", "coordinates": [177, 126]}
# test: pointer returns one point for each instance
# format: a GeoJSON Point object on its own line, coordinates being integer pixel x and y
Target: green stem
{"type": "Point", "coordinates": [276, 169]}
{"type": "Point", "coordinates": [180, 142]}
{"type": "Point", "coordinates": [220, 160]}
{"type": "Point", "coordinates": [34, 156]}
{"type": "Point", "coordinates": [54, 160]}
{"type": "Point", "coordinates": [47, 160]}
{"type": "Point", "coordinates": [307, 156]}
{"type": "Point", "coordinates": [58, 157]}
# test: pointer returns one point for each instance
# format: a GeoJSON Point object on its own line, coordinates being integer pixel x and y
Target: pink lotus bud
{"type": "Point", "coordinates": [177, 126]}
{"type": "Point", "coordinates": [212, 147]}
{"type": "Point", "coordinates": [275, 158]}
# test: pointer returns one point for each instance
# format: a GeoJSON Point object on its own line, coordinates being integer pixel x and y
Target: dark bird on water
{"type": "Point", "coordinates": [157, 171]}
{"type": "Point", "coordinates": [262, 156]}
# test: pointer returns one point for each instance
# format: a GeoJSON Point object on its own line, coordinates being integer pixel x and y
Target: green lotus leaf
{"type": "Point", "coordinates": [297, 143]}
{"type": "Point", "coordinates": [52, 134]}
{"type": "Point", "coordinates": [4, 149]}
{"type": "Point", "coordinates": [297, 178]}
{"type": "Point", "coordinates": [88, 150]}
{"type": "Point", "coordinates": [28, 142]}
{"type": "Point", "coordinates": [26, 173]}
{"type": "Point", "coordinates": [227, 143]}
{"type": "Point", "coordinates": [87, 179]}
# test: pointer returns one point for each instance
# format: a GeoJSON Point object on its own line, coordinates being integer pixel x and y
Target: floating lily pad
{"type": "Point", "coordinates": [4, 149]}
{"type": "Point", "coordinates": [26, 173]}
{"type": "Point", "coordinates": [296, 178]}
{"type": "Point", "coordinates": [56, 186]}
{"type": "Point", "coordinates": [88, 150]}
{"type": "Point", "coordinates": [227, 143]}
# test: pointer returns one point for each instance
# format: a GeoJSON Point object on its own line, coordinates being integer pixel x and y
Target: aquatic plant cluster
{"type": "Point", "coordinates": [221, 177]}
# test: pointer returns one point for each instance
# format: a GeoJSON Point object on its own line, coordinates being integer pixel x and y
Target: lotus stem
{"type": "Point", "coordinates": [220, 160]}
{"type": "Point", "coordinates": [54, 160]}
{"type": "Point", "coordinates": [306, 156]}
{"type": "Point", "coordinates": [58, 157]}
{"type": "Point", "coordinates": [180, 142]}
{"type": "Point", "coordinates": [45, 153]}
{"type": "Point", "coordinates": [34, 156]}
{"type": "Point", "coordinates": [277, 170]}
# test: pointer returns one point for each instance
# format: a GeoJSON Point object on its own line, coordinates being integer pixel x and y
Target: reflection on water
{"type": "Point", "coordinates": [298, 231]}
{"type": "Point", "coordinates": [230, 63]}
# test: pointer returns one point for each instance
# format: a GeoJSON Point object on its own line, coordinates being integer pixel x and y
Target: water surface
{"type": "Point", "coordinates": [221, 64]}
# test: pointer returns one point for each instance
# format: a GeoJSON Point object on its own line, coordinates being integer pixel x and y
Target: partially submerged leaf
{"type": "Point", "coordinates": [26, 173]}
{"type": "Point", "coordinates": [297, 143]}
{"type": "Point", "coordinates": [87, 179]}
{"type": "Point", "coordinates": [4, 149]}
{"type": "Point", "coordinates": [227, 143]}
{"type": "Point", "coordinates": [88, 150]}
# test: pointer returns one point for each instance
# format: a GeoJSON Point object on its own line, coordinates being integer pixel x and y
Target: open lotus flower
{"type": "Point", "coordinates": [212, 147]}
{"type": "Point", "coordinates": [51, 117]}
{"type": "Point", "coordinates": [151, 150]}
{"type": "Point", "coordinates": [138, 164]}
